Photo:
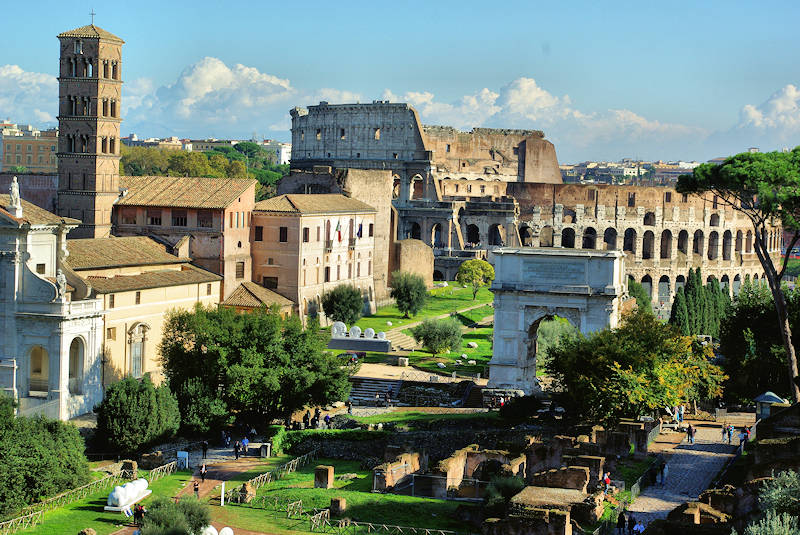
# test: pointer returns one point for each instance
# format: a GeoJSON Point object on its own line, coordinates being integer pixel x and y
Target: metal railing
{"type": "Point", "coordinates": [48, 409]}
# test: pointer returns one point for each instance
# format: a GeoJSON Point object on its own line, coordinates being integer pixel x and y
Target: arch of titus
{"type": "Point", "coordinates": [584, 286]}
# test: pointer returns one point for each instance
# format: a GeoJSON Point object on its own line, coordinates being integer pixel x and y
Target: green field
{"type": "Point", "coordinates": [362, 504]}
{"type": "Point", "coordinates": [482, 336]}
{"type": "Point", "coordinates": [440, 301]}
{"type": "Point", "coordinates": [412, 417]}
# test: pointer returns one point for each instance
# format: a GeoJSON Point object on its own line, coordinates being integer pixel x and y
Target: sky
{"type": "Point", "coordinates": [603, 80]}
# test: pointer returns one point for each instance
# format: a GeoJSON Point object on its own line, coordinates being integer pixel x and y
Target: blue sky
{"type": "Point", "coordinates": [604, 80]}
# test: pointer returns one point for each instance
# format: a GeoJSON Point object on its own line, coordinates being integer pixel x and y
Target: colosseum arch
{"type": "Point", "coordinates": [680, 282]}
{"type": "Point", "coordinates": [666, 244]}
{"type": "Point", "coordinates": [727, 237]}
{"type": "Point", "coordinates": [526, 235]}
{"type": "Point", "coordinates": [629, 240]}
{"type": "Point", "coordinates": [473, 234]}
{"type": "Point", "coordinates": [737, 284]}
{"type": "Point", "coordinates": [436, 235]}
{"type": "Point", "coordinates": [647, 284]}
{"type": "Point", "coordinates": [416, 231]}
{"type": "Point", "coordinates": [725, 282]}
{"type": "Point", "coordinates": [610, 239]}
{"type": "Point", "coordinates": [713, 245]}
{"type": "Point", "coordinates": [714, 221]}
{"type": "Point", "coordinates": [698, 245]}
{"type": "Point", "coordinates": [738, 245]}
{"type": "Point", "coordinates": [650, 219]}
{"type": "Point", "coordinates": [546, 237]}
{"type": "Point", "coordinates": [648, 244]}
{"type": "Point", "coordinates": [568, 238]}
{"type": "Point", "coordinates": [664, 290]}
{"type": "Point", "coordinates": [497, 235]}
{"type": "Point", "coordinates": [568, 216]}
{"type": "Point", "coordinates": [589, 238]}
{"type": "Point", "coordinates": [683, 242]}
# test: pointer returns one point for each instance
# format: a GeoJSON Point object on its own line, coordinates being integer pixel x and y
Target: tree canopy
{"type": "Point", "coordinates": [631, 370]}
{"type": "Point", "coordinates": [344, 303]}
{"type": "Point", "coordinates": [438, 336]}
{"type": "Point", "coordinates": [409, 292]}
{"type": "Point", "coordinates": [699, 309]}
{"type": "Point", "coordinates": [637, 291]}
{"type": "Point", "coordinates": [476, 273]}
{"type": "Point", "coordinates": [765, 188]}
{"type": "Point", "coordinates": [258, 366]}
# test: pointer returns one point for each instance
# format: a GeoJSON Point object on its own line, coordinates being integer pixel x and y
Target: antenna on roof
{"type": "Point", "coordinates": [92, 13]}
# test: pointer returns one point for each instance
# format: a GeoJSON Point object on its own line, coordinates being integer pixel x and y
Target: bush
{"type": "Point", "coordinates": [135, 414]}
{"type": "Point", "coordinates": [438, 336]}
{"type": "Point", "coordinates": [343, 421]}
{"type": "Point", "coordinates": [781, 494]}
{"type": "Point", "coordinates": [165, 517]}
{"type": "Point", "coordinates": [773, 524]}
{"type": "Point", "coordinates": [500, 491]}
{"type": "Point", "coordinates": [409, 292]}
{"type": "Point", "coordinates": [277, 435]}
{"type": "Point", "coordinates": [295, 438]}
{"type": "Point", "coordinates": [344, 303]}
{"type": "Point", "coordinates": [521, 408]}
{"type": "Point", "coordinates": [38, 458]}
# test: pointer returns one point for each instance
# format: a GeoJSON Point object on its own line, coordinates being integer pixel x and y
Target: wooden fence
{"type": "Point", "coordinates": [81, 492]}
{"type": "Point", "coordinates": [163, 470]}
{"type": "Point", "coordinates": [232, 495]}
{"type": "Point", "coordinates": [21, 523]}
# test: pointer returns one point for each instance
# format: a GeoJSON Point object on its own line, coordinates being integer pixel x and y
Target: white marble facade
{"type": "Point", "coordinates": [531, 285]}
{"type": "Point", "coordinates": [50, 344]}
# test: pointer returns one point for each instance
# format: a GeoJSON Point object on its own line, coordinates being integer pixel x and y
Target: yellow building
{"type": "Point", "coordinates": [139, 283]}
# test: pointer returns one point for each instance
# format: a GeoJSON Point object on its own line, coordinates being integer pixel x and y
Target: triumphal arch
{"type": "Point", "coordinates": [534, 284]}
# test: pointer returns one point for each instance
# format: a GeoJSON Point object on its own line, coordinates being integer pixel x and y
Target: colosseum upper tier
{"type": "Point", "coordinates": [465, 193]}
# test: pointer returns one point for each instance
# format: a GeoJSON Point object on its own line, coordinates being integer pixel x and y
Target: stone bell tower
{"type": "Point", "coordinates": [89, 98]}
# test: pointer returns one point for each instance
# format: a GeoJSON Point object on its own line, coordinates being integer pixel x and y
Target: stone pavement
{"type": "Point", "coordinates": [691, 467]}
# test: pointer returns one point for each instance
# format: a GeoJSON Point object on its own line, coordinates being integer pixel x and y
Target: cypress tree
{"type": "Point", "coordinates": [680, 313]}
{"type": "Point", "coordinates": [691, 303]}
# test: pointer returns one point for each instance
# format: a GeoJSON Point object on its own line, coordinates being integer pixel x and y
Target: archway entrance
{"type": "Point", "coordinates": [76, 353]}
{"type": "Point", "coordinates": [544, 334]}
{"type": "Point", "coordinates": [39, 374]}
{"type": "Point", "coordinates": [473, 235]}
{"type": "Point", "coordinates": [497, 235]}
{"type": "Point", "coordinates": [416, 231]}
{"type": "Point", "coordinates": [436, 235]}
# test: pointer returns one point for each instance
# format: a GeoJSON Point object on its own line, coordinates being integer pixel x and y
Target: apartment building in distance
{"type": "Point", "coordinates": [306, 244]}
{"type": "Point", "coordinates": [27, 147]}
{"type": "Point", "coordinates": [206, 219]}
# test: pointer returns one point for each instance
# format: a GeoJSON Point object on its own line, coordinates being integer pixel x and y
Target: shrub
{"type": "Point", "coordinates": [344, 303]}
{"type": "Point", "coordinates": [409, 292]}
{"type": "Point", "coordinates": [438, 336]}
{"type": "Point", "coordinates": [781, 494]}
{"type": "Point", "coordinates": [135, 414]}
{"type": "Point", "coordinates": [773, 524]}
{"type": "Point", "coordinates": [500, 491]}
{"type": "Point", "coordinates": [277, 435]}
{"type": "Point", "coordinates": [296, 438]}
{"type": "Point", "coordinates": [165, 517]}
{"type": "Point", "coordinates": [343, 421]}
{"type": "Point", "coordinates": [520, 408]}
{"type": "Point", "coordinates": [38, 458]}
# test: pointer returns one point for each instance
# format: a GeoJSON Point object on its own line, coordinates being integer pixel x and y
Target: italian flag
{"type": "Point", "coordinates": [339, 230]}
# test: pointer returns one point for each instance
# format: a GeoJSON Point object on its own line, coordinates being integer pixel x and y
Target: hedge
{"type": "Point", "coordinates": [285, 441]}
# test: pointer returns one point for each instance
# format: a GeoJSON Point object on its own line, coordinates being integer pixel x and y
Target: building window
{"type": "Point", "coordinates": [154, 217]}
{"type": "Point", "coordinates": [327, 273]}
{"type": "Point", "coordinates": [319, 134]}
{"type": "Point", "coordinates": [129, 216]}
{"type": "Point", "coordinates": [667, 196]}
{"type": "Point", "coordinates": [371, 229]}
{"type": "Point", "coordinates": [341, 134]}
{"type": "Point", "coordinates": [369, 267]}
{"type": "Point", "coordinates": [111, 333]}
{"type": "Point", "coordinates": [79, 47]}
{"type": "Point", "coordinates": [40, 269]}
{"type": "Point", "coordinates": [338, 272]}
{"type": "Point", "coordinates": [259, 233]}
{"type": "Point", "coordinates": [394, 155]}
{"type": "Point", "coordinates": [283, 234]}
{"type": "Point", "coordinates": [715, 202]}
{"type": "Point", "coordinates": [138, 298]}
{"type": "Point", "coordinates": [306, 232]}
{"type": "Point", "coordinates": [208, 289]}
{"type": "Point", "coordinates": [358, 269]}
{"type": "Point", "coordinates": [136, 343]}
{"type": "Point", "coordinates": [349, 271]}
{"type": "Point", "coordinates": [448, 148]}
{"type": "Point", "coordinates": [318, 233]}
{"type": "Point", "coordinates": [376, 133]}
{"type": "Point", "coordinates": [270, 261]}
{"type": "Point", "coordinates": [110, 300]}
{"type": "Point", "coordinates": [270, 283]}
{"type": "Point", "coordinates": [178, 218]}
{"type": "Point", "coordinates": [204, 218]}
{"type": "Point", "coordinates": [684, 197]}
{"type": "Point", "coordinates": [590, 194]}
{"type": "Point", "coordinates": [239, 270]}
{"type": "Point", "coordinates": [631, 200]}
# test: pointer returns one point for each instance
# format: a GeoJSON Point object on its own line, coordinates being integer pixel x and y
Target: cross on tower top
{"type": "Point", "coordinates": [92, 13]}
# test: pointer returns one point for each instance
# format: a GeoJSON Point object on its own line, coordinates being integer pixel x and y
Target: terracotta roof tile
{"type": "Point", "coordinates": [35, 215]}
{"type": "Point", "coordinates": [90, 31]}
{"type": "Point", "coordinates": [250, 294]}
{"type": "Point", "coordinates": [183, 192]}
{"type": "Point", "coordinates": [313, 203]}
{"type": "Point", "coordinates": [188, 274]}
{"type": "Point", "coordinates": [95, 253]}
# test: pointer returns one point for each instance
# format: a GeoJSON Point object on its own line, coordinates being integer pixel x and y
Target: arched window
{"type": "Point", "coordinates": [680, 282]}
{"type": "Point", "coordinates": [664, 292]}
{"type": "Point", "coordinates": [137, 336]}
{"type": "Point", "coordinates": [526, 236]}
{"type": "Point", "coordinates": [546, 237]}
{"type": "Point", "coordinates": [629, 241]}
{"type": "Point", "coordinates": [713, 245]}
{"type": "Point", "coordinates": [683, 242]}
{"type": "Point", "coordinates": [76, 366]}
{"type": "Point", "coordinates": [650, 219]}
{"type": "Point", "coordinates": [737, 284]}
{"type": "Point", "coordinates": [589, 238]}
{"type": "Point", "coordinates": [568, 216]}
{"type": "Point", "coordinates": [698, 246]}
{"type": "Point", "coordinates": [610, 239]}
{"type": "Point", "coordinates": [725, 283]}
{"type": "Point", "coordinates": [647, 244]}
{"type": "Point", "coordinates": [568, 238]}
{"type": "Point", "coordinates": [714, 222]}
{"type": "Point", "coordinates": [473, 235]}
{"type": "Point", "coordinates": [666, 244]}
{"type": "Point", "coordinates": [647, 284]}
{"type": "Point", "coordinates": [436, 235]}
{"type": "Point", "coordinates": [497, 235]}
{"type": "Point", "coordinates": [727, 238]}
{"type": "Point", "coordinates": [749, 242]}
{"type": "Point", "coordinates": [739, 239]}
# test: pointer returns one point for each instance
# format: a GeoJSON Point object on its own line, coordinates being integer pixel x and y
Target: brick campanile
{"type": "Point", "coordinates": [89, 98]}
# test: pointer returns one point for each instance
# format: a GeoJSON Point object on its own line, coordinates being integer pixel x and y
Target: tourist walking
{"type": "Point", "coordinates": [196, 489]}
{"type": "Point", "coordinates": [236, 448]}
{"type": "Point", "coordinates": [690, 431]}
{"type": "Point", "coordinates": [204, 445]}
{"type": "Point", "coordinates": [631, 524]}
{"type": "Point", "coordinates": [662, 472]}
{"type": "Point", "coordinates": [349, 407]}
{"type": "Point", "coordinates": [638, 528]}
{"type": "Point", "coordinates": [621, 524]}
{"type": "Point", "coordinates": [306, 419]}
{"type": "Point", "coordinates": [203, 471]}
{"type": "Point", "coordinates": [724, 431]}
{"type": "Point", "coordinates": [328, 421]}
{"type": "Point", "coordinates": [245, 445]}
{"type": "Point", "coordinates": [607, 481]}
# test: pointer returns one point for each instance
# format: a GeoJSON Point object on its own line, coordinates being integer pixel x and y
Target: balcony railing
{"type": "Point", "coordinates": [328, 246]}
{"type": "Point", "coordinates": [351, 243]}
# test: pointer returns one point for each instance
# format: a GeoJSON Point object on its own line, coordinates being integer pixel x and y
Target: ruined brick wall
{"type": "Point", "coordinates": [386, 476]}
{"type": "Point", "coordinates": [534, 522]}
{"type": "Point", "coordinates": [413, 256]}
{"type": "Point", "coordinates": [570, 477]}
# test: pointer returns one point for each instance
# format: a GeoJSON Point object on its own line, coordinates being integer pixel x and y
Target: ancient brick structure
{"type": "Point", "coordinates": [89, 110]}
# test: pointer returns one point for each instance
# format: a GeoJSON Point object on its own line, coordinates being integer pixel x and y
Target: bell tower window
{"type": "Point", "coordinates": [79, 46]}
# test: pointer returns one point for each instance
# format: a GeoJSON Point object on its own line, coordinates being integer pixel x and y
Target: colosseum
{"type": "Point", "coordinates": [465, 193]}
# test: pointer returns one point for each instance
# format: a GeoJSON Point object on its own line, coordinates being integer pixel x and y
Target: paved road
{"type": "Point", "coordinates": [691, 467]}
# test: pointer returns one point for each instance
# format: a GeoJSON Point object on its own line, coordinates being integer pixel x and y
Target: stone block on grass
{"type": "Point", "coordinates": [338, 506]}
{"type": "Point", "coordinates": [323, 477]}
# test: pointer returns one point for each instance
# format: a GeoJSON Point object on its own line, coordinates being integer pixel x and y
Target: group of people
{"type": "Point", "coordinates": [728, 430]}
{"type": "Point", "coordinates": [497, 402]}
{"type": "Point", "coordinates": [634, 526]}
{"type": "Point", "coordinates": [385, 398]}
{"type": "Point", "coordinates": [678, 412]}
{"type": "Point", "coordinates": [138, 514]}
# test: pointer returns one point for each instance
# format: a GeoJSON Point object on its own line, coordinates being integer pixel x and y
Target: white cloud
{"type": "Point", "coordinates": [27, 97]}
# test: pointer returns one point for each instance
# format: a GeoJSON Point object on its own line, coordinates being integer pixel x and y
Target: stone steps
{"type": "Point", "coordinates": [363, 390]}
{"type": "Point", "coordinates": [401, 341]}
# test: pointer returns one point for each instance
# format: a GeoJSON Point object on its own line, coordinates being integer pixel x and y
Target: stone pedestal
{"type": "Point", "coordinates": [402, 362]}
{"type": "Point", "coordinates": [338, 506]}
{"type": "Point", "coordinates": [323, 477]}
{"type": "Point", "coordinates": [265, 450]}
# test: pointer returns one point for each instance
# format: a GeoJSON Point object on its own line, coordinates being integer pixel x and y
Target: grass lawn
{"type": "Point", "coordinates": [412, 417]}
{"type": "Point", "coordinates": [482, 354]}
{"type": "Point", "coordinates": [362, 505]}
{"type": "Point", "coordinates": [440, 301]}
{"type": "Point", "coordinates": [88, 513]}
{"type": "Point", "coordinates": [265, 466]}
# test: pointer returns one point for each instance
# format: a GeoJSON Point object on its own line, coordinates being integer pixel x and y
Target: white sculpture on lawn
{"type": "Point", "coordinates": [127, 494]}
{"type": "Point", "coordinates": [339, 330]}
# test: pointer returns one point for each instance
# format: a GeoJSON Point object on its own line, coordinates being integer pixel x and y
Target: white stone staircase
{"type": "Point", "coordinates": [401, 341]}
{"type": "Point", "coordinates": [363, 389]}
